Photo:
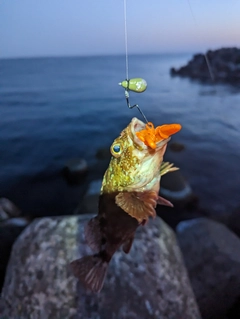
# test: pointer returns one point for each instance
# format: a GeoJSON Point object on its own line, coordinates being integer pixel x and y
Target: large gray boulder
{"type": "Point", "coordinates": [212, 257]}
{"type": "Point", "coordinates": [150, 282]}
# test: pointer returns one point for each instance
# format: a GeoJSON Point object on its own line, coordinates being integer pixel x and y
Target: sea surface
{"type": "Point", "coordinates": [54, 109]}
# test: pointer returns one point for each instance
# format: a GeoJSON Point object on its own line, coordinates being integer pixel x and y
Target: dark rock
{"type": "Point", "coordinates": [224, 66]}
{"type": "Point", "coordinates": [233, 221]}
{"type": "Point", "coordinates": [9, 231]}
{"type": "Point", "coordinates": [176, 147]}
{"type": "Point", "coordinates": [234, 312]}
{"type": "Point", "coordinates": [175, 187]}
{"type": "Point", "coordinates": [75, 170]}
{"type": "Point", "coordinates": [212, 257]}
{"type": "Point", "coordinates": [90, 200]}
{"type": "Point", "coordinates": [8, 209]}
{"type": "Point", "coordinates": [150, 282]}
{"type": "Point", "coordinates": [103, 153]}
{"type": "Point", "coordinates": [3, 215]}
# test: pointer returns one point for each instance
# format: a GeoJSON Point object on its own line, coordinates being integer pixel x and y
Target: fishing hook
{"type": "Point", "coordinates": [137, 85]}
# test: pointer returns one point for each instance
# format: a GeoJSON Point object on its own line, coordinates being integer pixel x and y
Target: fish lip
{"type": "Point", "coordinates": [161, 143]}
{"type": "Point", "coordinates": [136, 126]}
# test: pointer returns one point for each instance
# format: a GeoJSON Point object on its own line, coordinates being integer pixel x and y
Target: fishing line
{"type": "Point", "coordinates": [205, 54]}
{"type": "Point", "coordinates": [125, 35]}
{"type": "Point", "coordinates": [137, 85]}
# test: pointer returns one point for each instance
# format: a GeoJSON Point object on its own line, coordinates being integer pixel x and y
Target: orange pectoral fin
{"type": "Point", "coordinates": [139, 205]}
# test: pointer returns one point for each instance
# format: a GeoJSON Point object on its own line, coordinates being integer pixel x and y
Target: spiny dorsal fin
{"type": "Point", "coordinates": [167, 167]}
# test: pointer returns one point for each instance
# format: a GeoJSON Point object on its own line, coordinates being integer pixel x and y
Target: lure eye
{"type": "Point", "coordinates": [116, 150]}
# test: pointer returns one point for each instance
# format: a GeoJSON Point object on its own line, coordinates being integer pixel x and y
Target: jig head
{"type": "Point", "coordinates": [137, 85]}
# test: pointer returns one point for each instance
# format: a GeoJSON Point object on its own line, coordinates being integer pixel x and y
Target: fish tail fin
{"type": "Point", "coordinates": [91, 271]}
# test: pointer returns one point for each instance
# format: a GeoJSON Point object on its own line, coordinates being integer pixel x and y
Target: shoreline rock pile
{"type": "Point", "coordinates": [224, 66]}
{"type": "Point", "coordinates": [149, 282]}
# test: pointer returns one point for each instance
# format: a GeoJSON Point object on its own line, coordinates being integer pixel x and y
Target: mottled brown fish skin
{"type": "Point", "coordinates": [105, 234]}
{"type": "Point", "coordinates": [129, 195]}
{"type": "Point", "coordinates": [116, 227]}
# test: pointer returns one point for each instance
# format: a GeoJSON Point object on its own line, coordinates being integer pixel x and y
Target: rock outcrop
{"type": "Point", "coordinates": [75, 170]}
{"type": "Point", "coordinates": [150, 282]}
{"type": "Point", "coordinates": [11, 225]}
{"type": "Point", "coordinates": [224, 66]}
{"type": "Point", "coordinates": [8, 209]}
{"type": "Point", "coordinates": [212, 256]}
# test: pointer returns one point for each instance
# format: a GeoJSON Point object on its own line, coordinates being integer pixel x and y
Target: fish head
{"type": "Point", "coordinates": [134, 166]}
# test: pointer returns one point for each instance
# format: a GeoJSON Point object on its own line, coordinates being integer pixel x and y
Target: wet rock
{"type": "Point", "coordinates": [75, 170]}
{"type": "Point", "coordinates": [8, 209]}
{"type": "Point", "coordinates": [150, 282]}
{"type": "Point", "coordinates": [175, 187]}
{"type": "Point", "coordinates": [212, 257]}
{"type": "Point", "coordinates": [90, 200]}
{"type": "Point", "coordinates": [3, 215]}
{"type": "Point", "coordinates": [103, 153]}
{"type": "Point", "coordinates": [176, 147]}
{"type": "Point", "coordinates": [233, 221]}
{"type": "Point", "coordinates": [10, 229]}
{"type": "Point", "coordinates": [224, 66]}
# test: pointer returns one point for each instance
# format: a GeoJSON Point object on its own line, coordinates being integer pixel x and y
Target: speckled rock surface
{"type": "Point", "coordinates": [212, 256]}
{"type": "Point", "coordinates": [150, 282]}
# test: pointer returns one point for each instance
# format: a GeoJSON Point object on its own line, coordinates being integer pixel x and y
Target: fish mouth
{"type": "Point", "coordinates": [137, 125]}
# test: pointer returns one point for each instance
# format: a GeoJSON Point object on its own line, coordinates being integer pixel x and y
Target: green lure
{"type": "Point", "coordinates": [137, 85]}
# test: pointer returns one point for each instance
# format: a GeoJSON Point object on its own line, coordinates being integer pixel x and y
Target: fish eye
{"type": "Point", "coordinates": [116, 150]}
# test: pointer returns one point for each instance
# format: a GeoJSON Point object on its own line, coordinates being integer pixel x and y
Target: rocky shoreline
{"type": "Point", "coordinates": [221, 66]}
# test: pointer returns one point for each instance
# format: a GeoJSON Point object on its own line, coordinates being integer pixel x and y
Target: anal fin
{"type": "Point", "coordinates": [163, 201]}
{"type": "Point", "coordinates": [127, 245]}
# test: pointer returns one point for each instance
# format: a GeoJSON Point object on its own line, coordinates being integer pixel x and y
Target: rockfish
{"type": "Point", "coordinates": [129, 195]}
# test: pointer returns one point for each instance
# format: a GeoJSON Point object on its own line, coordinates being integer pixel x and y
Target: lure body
{"type": "Point", "coordinates": [151, 136]}
{"type": "Point", "coordinates": [137, 85]}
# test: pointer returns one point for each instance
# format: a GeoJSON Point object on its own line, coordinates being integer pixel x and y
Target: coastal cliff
{"type": "Point", "coordinates": [222, 65]}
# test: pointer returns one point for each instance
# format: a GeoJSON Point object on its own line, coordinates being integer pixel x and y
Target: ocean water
{"type": "Point", "coordinates": [53, 109]}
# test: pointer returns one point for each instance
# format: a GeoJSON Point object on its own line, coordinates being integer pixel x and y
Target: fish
{"type": "Point", "coordinates": [128, 197]}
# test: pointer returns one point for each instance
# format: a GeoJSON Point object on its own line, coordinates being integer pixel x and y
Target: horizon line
{"type": "Point", "coordinates": [93, 55]}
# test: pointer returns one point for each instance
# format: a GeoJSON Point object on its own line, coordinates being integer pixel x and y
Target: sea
{"type": "Point", "coordinates": [56, 109]}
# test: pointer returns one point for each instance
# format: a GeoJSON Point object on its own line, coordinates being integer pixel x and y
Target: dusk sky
{"type": "Point", "coordinates": [95, 27]}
